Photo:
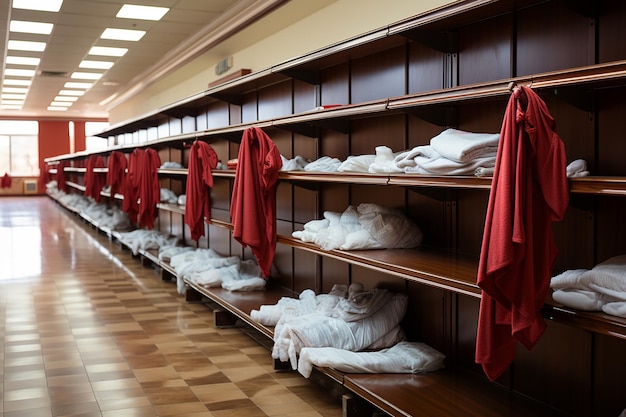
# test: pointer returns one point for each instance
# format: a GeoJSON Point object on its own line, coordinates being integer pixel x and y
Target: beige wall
{"type": "Point", "coordinates": [299, 27]}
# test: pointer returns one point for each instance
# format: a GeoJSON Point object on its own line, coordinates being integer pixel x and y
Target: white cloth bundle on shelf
{"type": "Point", "coordinates": [319, 330]}
{"type": "Point", "coordinates": [602, 288]}
{"type": "Point", "coordinates": [166, 252]}
{"type": "Point", "coordinates": [463, 147]}
{"type": "Point", "coordinates": [207, 268]}
{"type": "Point", "coordinates": [357, 163]}
{"type": "Point", "coordinates": [404, 357]}
{"type": "Point", "coordinates": [171, 165]}
{"type": "Point", "coordinates": [298, 163]}
{"type": "Point", "coordinates": [168, 196]}
{"type": "Point", "coordinates": [384, 161]}
{"type": "Point", "coordinates": [369, 226]}
{"type": "Point", "coordinates": [116, 219]}
{"type": "Point", "coordinates": [324, 164]}
{"type": "Point", "coordinates": [577, 168]}
{"type": "Point", "coordinates": [452, 152]}
{"type": "Point", "coordinates": [146, 239]}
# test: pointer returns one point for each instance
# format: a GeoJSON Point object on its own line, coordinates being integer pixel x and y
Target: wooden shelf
{"type": "Point", "coordinates": [441, 394]}
{"type": "Point", "coordinates": [444, 270]}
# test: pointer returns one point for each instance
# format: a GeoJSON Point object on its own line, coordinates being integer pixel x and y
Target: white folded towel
{"type": "Point", "coordinates": [461, 146]}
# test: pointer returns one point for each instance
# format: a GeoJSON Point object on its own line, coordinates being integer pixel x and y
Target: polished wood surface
{"type": "Point", "coordinates": [88, 331]}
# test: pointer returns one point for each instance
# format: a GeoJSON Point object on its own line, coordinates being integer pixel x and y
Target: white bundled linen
{"type": "Point", "coordinates": [357, 163]}
{"type": "Point", "coordinates": [404, 357]}
{"type": "Point", "coordinates": [318, 330]}
{"type": "Point", "coordinates": [166, 252]}
{"type": "Point", "coordinates": [168, 196]}
{"type": "Point", "coordinates": [577, 168]}
{"type": "Point", "coordinates": [146, 239]}
{"type": "Point", "coordinates": [384, 161]}
{"type": "Point", "coordinates": [369, 226]}
{"type": "Point", "coordinates": [445, 166]}
{"type": "Point", "coordinates": [296, 164]}
{"type": "Point", "coordinates": [324, 164]}
{"type": "Point", "coordinates": [602, 288]}
{"type": "Point", "coordinates": [240, 276]}
{"type": "Point", "coordinates": [463, 147]}
{"type": "Point", "coordinates": [187, 263]}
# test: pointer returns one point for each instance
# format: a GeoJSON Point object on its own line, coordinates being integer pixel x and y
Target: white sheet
{"type": "Point", "coordinates": [404, 357]}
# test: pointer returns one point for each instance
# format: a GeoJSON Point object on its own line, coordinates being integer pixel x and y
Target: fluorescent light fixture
{"type": "Point", "coordinates": [10, 81]}
{"type": "Point", "coordinates": [13, 102]}
{"type": "Point", "coordinates": [61, 103]}
{"type": "Point", "coordinates": [86, 75]}
{"type": "Point", "coordinates": [26, 46]}
{"type": "Point", "coordinates": [14, 96]}
{"type": "Point", "coordinates": [122, 34]}
{"type": "Point", "coordinates": [71, 92]}
{"type": "Point", "coordinates": [65, 98]}
{"type": "Point", "coordinates": [10, 107]}
{"type": "Point", "coordinates": [20, 90]}
{"type": "Point", "coordinates": [22, 60]}
{"type": "Point", "coordinates": [133, 11]}
{"type": "Point", "coordinates": [52, 108]}
{"type": "Point", "coordinates": [84, 86]}
{"type": "Point", "coordinates": [107, 51]}
{"type": "Point", "coordinates": [22, 26]}
{"type": "Point", "coordinates": [19, 72]}
{"type": "Point", "coordinates": [96, 64]}
{"type": "Point", "coordinates": [42, 5]}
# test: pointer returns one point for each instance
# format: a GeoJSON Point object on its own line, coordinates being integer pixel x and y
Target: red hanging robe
{"type": "Point", "coordinates": [529, 191]}
{"type": "Point", "coordinates": [202, 159]}
{"type": "Point", "coordinates": [131, 185]}
{"type": "Point", "coordinates": [94, 181]}
{"type": "Point", "coordinates": [253, 203]}
{"type": "Point", "coordinates": [149, 190]}
{"type": "Point", "coordinates": [6, 181]}
{"type": "Point", "coordinates": [116, 175]}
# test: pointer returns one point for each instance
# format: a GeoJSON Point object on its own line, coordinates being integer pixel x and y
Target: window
{"type": "Point", "coordinates": [95, 143]}
{"type": "Point", "coordinates": [19, 148]}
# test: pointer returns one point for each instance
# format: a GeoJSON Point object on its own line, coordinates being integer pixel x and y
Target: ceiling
{"type": "Point", "coordinates": [78, 26]}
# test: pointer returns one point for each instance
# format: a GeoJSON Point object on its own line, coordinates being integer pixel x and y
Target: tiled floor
{"type": "Point", "coordinates": [87, 331]}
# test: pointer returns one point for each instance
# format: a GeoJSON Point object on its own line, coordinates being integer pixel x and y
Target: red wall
{"type": "Point", "coordinates": [54, 139]}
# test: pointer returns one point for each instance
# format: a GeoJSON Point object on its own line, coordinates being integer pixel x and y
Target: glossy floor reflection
{"type": "Point", "coordinates": [87, 331]}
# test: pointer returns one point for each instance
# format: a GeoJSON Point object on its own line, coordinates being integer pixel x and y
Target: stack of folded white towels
{"type": "Point", "coordinates": [602, 288]}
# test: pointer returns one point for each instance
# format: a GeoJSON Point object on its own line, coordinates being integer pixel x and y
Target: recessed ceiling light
{"type": "Point", "coordinates": [78, 85]}
{"type": "Point", "coordinates": [122, 34]}
{"type": "Point", "coordinates": [20, 90]}
{"type": "Point", "coordinates": [43, 5]}
{"type": "Point", "coordinates": [71, 92]}
{"type": "Point", "coordinates": [65, 98]}
{"type": "Point", "coordinates": [19, 72]}
{"type": "Point", "coordinates": [96, 64]}
{"type": "Point", "coordinates": [9, 81]}
{"type": "Point", "coordinates": [107, 51]}
{"type": "Point", "coordinates": [30, 27]}
{"type": "Point", "coordinates": [26, 46]}
{"type": "Point", "coordinates": [22, 60]}
{"type": "Point", "coordinates": [61, 103]}
{"type": "Point", "coordinates": [10, 107]}
{"type": "Point", "coordinates": [53, 108]}
{"type": "Point", "coordinates": [13, 102]}
{"type": "Point", "coordinates": [86, 75]}
{"type": "Point", "coordinates": [133, 11]}
{"type": "Point", "coordinates": [14, 96]}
